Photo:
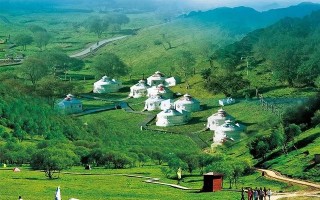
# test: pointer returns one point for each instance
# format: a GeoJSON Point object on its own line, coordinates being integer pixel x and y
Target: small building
{"type": "Point", "coordinates": [172, 81]}
{"type": "Point", "coordinates": [153, 103]}
{"type": "Point", "coordinates": [160, 90]}
{"type": "Point", "coordinates": [139, 89]}
{"type": "Point", "coordinates": [172, 117]}
{"type": "Point", "coordinates": [167, 104]}
{"type": "Point", "coordinates": [187, 103]}
{"type": "Point", "coordinates": [212, 182]}
{"type": "Point", "coordinates": [70, 105]}
{"type": "Point", "coordinates": [227, 101]}
{"type": "Point", "coordinates": [217, 119]}
{"type": "Point", "coordinates": [156, 79]}
{"type": "Point", "coordinates": [106, 85]}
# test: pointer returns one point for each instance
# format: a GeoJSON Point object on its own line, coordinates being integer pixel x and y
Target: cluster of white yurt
{"type": "Point", "coordinates": [70, 105]}
{"type": "Point", "coordinates": [228, 130]}
{"type": "Point", "coordinates": [187, 103]}
{"type": "Point", "coordinates": [106, 85]}
{"type": "Point", "coordinates": [172, 117]}
{"type": "Point", "coordinates": [153, 103]}
{"type": "Point", "coordinates": [156, 79]}
{"type": "Point", "coordinates": [217, 119]}
{"type": "Point", "coordinates": [139, 90]}
{"type": "Point", "coordinates": [160, 90]}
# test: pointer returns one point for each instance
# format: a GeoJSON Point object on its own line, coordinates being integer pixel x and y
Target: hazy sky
{"type": "Point", "coordinates": [182, 4]}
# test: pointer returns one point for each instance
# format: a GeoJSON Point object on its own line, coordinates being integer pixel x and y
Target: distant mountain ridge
{"type": "Point", "coordinates": [241, 20]}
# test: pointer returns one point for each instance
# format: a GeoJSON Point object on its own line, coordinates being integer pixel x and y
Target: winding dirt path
{"type": "Point", "coordinates": [95, 46]}
{"type": "Point", "coordinates": [278, 176]}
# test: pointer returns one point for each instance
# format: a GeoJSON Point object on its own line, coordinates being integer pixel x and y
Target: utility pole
{"type": "Point", "coordinates": [247, 60]}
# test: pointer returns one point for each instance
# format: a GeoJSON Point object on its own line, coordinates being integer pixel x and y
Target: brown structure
{"type": "Point", "coordinates": [212, 182]}
{"type": "Point", "coordinates": [317, 158]}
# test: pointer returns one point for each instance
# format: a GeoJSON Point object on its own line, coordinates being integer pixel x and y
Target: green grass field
{"type": "Point", "coordinates": [110, 184]}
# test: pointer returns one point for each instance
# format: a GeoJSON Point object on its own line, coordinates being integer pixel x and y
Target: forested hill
{"type": "Point", "coordinates": [288, 48]}
{"type": "Point", "coordinates": [240, 20]}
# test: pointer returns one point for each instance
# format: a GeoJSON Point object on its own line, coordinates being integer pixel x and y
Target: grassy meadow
{"type": "Point", "coordinates": [102, 183]}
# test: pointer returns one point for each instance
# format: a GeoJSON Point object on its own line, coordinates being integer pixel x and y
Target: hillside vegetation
{"type": "Point", "coordinates": [280, 60]}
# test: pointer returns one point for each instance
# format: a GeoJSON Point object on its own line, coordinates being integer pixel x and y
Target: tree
{"type": "Point", "coordinates": [52, 160]}
{"type": "Point", "coordinates": [34, 69]}
{"type": "Point", "coordinates": [41, 38]}
{"type": "Point", "coordinates": [192, 162]}
{"type": "Point", "coordinates": [228, 84]}
{"type": "Point", "coordinates": [23, 40]}
{"type": "Point", "coordinates": [60, 61]}
{"type": "Point", "coordinates": [291, 131]}
{"type": "Point", "coordinates": [110, 65]}
{"type": "Point", "coordinates": [97, 25]}
{"type": "Point", "coordinates": [118, 19]}
{"type": "Point", "coordinates": [185, 61]}
{"type": "Point", "coordinates": [259, 146]}
{"type": "Point", "coordinates": [206, 74]}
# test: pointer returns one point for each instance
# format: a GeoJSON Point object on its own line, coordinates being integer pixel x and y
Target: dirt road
{"type": "Point", "coordinates": [278, 176]}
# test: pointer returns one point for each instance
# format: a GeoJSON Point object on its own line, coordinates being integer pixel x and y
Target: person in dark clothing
{"type": "Point", "coordinates": [242, 194]}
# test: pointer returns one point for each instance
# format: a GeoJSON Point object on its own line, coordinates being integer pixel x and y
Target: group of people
{"type": "Point", "coordinates": [257, 194]}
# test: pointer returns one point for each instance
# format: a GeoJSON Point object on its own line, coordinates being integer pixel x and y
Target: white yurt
{"type": "Point", "coordinates": [153, 103]}
{"type": "Point", "coordinates": [217, 119]}
{"type": "Point", "coordinates": [219, 137]}
{"type": "Point", "coordinates": [106, 85]}
{"type": "Point", "coordinates": [70, 105]}
{"type": "Point", "coordinates": [156, 79]}
{"type": "Point", "coordinates": [167, 104]}
{"type": "Point", "coordinates": [230, 129]}
{"type": "Point", "coordinates": [187, 103]}
{"type": "Point", "coordinates": [160, 90]}
{"type": "Point", "coordinates": [139, 90]}
{"type": "Point", "coordinates": [172, 117]}
{"type": "Point", "coordinates": [172, 81]}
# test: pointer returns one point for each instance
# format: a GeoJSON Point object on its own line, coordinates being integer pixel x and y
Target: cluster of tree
{"type": "Point", "coordinates": [295, 120]}
{"type": "Point", "coordinates": [227, 83]}
{"type": "Point", "coordinates": [288, 49]}
{"type": "Point", "coordinates": [232, 169]}
{"type": "Point", "coordinates": [99, 25]}
{"type": "Point", "coordinates": [38, 66]}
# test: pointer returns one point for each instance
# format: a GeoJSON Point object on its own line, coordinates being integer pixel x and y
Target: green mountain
{"type": "Point", "coordinates": [240, 20]}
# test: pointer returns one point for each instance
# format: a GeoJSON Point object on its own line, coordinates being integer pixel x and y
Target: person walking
{"type": "Point", "coordinates": [242, 194]}
{"type": "Point", "coordinates": [265, 193]}
{"type": "Point", "coordinates": [261, 195]}
{"type": "Point", "coordinates": [250, 194]}
{"type": "Point", "coordinates": [269, 193]}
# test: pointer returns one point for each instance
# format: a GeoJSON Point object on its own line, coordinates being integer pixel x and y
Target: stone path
{"type": "Point", "coordinates": [95, 46]}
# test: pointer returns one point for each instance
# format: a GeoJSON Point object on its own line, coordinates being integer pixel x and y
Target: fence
{"type": "Point", "coordinates": [270, 107]}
